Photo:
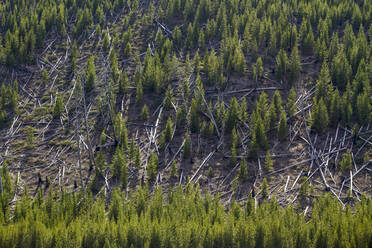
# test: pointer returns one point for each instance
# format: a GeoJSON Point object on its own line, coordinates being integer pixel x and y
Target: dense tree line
{"type": "Point", "coordinates": [184, 219]}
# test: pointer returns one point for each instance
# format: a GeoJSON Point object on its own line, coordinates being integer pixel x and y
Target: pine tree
{"type": "Point", "coordinates": [168, 98]}
{"type": "Point", "coordinates": [90, 76]}
{"type": "Point", "coordinates": [177, 36]}
{"type": "Point", "coordinates": [243, 171]}
{"type": "Point", "coordinates": [139, 92]}
{"type": "Point", "coordinates": [260, 134]}
{"type": "Point", "coordinates": [278, 102]}
{"type": "Point", "coordinates": [127, 50]}
{"type": "Point", "coordinates": [194, 116]}
{"type": "Point", "coordinates": [282, 128]}
{"type": "Point", "coordinates": [145, 113]}
{"type": "Point", "coordinates": [233, 115]}
{"type": "Point", "coordinates": [291, 102]}
{"type": "Point", "coordinates": [45, 77]}
{"type": "Point", "coordinates": [320, 116]}
{"type": "Point", "coordinates": [269, 162]}
{"type": "Point", "coordinates": [30, 139]}
{"type": "Point", "coordinates": [323, 85]}
{"type": "Point", "coordinates": [119, 167]}
{"type": "Point", "coordinates": [234, 140]}
{"type": "Point", "coordinates": [106, 42]}
{"type": "Point", "coordinates": [258, 70]}
{"type": "Point", "coordinates": [239, 63]}
{"type": "Point", "coordinates": [168, 130]}
{"type": "Point", "coordinates": [123, 82]}
{"type": "Point", "coordinates": [335, 109]}
{"type": "Point", "coordinates": [363, 107]}
{"type": "Point", "coordinates": [346, 162]}
{"type": "Point", "coordinates": [173, 170]}
{"type": "Point", "coordinates": [294, 64]}
{"type": "Point", "coordinates": [152, 167]}
{"type": "Point", "coordinates": [58, 106]}
{"type": "Point", "coordinates": [264, 190]}
{"type": "Point", "coordinates": [253, 147]}
{"type": "Point", "coordinates": [341, 70]}
{"type": "Point", "coordinates": [282, 64]}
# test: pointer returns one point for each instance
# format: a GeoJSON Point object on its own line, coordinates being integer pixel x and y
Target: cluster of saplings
{"type": "Point", "coordinates": [181, 218]}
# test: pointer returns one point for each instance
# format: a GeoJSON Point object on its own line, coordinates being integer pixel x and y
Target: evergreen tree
{"type": "Point", "coordinates": [260, 134]}
{"type": "Point", "coordinates": [320, 116]}
{"type": "Point", "coordinates": [282, 128]}
{"type": "Point", "coordinates": [139, 92]}
{"type": "Point", "coordinates": [291, 102]}
{"type": "Point", "coordinates": [346, 162]}
{"type": "Point", "coordinates": [58, 106]}
{"type": "Point", "coordinates": [152, 167]}
{"type": "Point", "coordinates": [173, 170]}
{"type": "Point", "coordinates": [168, 130]}
{"type": "Point", "coordinates": [253, 147]}
{"type": "Point", "coordinates": [335, 109]}
{"type": "Point", "coordinates": [239, 63]}
{"type": "Point", "coordinates": [282, 64]}
{"type": "Point", "coordinates": [90, 76]}
{"type": "Point", "coordinates": [168, 98]}
{"type": "Point", "coordinates": [123, 82]}
{"type": "Point", "coordinates": [363, 107]}
{"type": "Point", "coordinates": [323, 85]}
{"type": "Point", "coordinates": [264, 190]}
{"type": "Point", "coordinates": [106, 42]}
{"type": "Point", "coordinates": [45, 77]}
{"type": "Point", "coordinates": [234, 140]}
{"type": "Point", "coordinates": [119, 168]}
{"type": "Point", "coordinates": [233, 115]}
{"type": "Point", "coordinates": [294, 64]}
{"type": "Point", "coordinates": [269, 162]}
{"type": "Point", "coordinates": [243, 171]}
{"type": "Point", "coordinates": [145, 113]}
{"type": "Point", "coordinates": [194, 117]}
{"type": "Point", "coordinates": [258, 70]}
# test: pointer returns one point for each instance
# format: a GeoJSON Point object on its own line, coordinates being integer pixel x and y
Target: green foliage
{"type": "Point", "coordinates": [346, 162]}
{"type": "Point", "coordinates": [90, 75]}
{"type": "Point", "coordinates": [233, 115]}
{"type": "Point", "coordinates": [168, 98]}
{"type": "Point", "coordinates": [264, 190]}
{"type": "Point", "coordinates": [58, 106]}
{"type": "Point", "coordinates": [123, 82]}
{"type": "Point", "coordinates": [234, 140]}
{"type": "Point", "coordinates": [30, 138]}
{"type": "Point", "coordinates": [257, 70]}
{"type": "Point", "coordinates": [282, 64]}
{"type": "Point", "coordinates": [294, 64]}
{"type": "Point", "coordinates": [168, 133]}
{"type": "Point", "coordinates": [320, 116]}
{"type": "Point", "coordinates": [194, 117]}
{"type": "Point", "coordinates": [152, 167]}
{"type": "Point", "coordinates": [282, 128]}
{"type": "Point", "coordinates": [106, 42]}
{"type": "Point", "coordinates": [184, 219]}
{"type": "Point", "coordinates": [145, 113]}
{"type": "Point", "coordinates": [173, 169]}
{"type": "Point", "coordinates": [119, 168]}
{"type": "Point", "coordinates": [243, 171]}
{"type": "Point", "coordinates": [269, 163]}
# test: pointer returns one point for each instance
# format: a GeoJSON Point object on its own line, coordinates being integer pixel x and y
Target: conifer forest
{"type": "Point", "coordinates": [185, 123]}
